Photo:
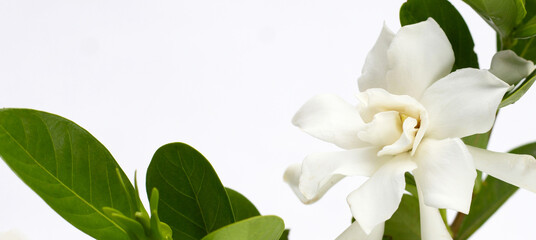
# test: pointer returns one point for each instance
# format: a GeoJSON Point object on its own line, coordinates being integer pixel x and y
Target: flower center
{"type": "Point", "coordinates": [395, 123]}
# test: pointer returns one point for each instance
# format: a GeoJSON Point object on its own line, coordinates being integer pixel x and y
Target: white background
{"type": "Point", "coordinates": [223, 76]}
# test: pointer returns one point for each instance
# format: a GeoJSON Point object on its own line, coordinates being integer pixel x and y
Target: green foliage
{"type": "Point", "coordinates": [405, 222]}
{"type": "Point", "coordinates": [528, 27]}
{"type": "Point", "coordinates": [452, 23]}
{"type": "Point", "coordinates": [242, 207]}
{"type": "Point", "coordinates": [193, 200]}
{"type": "Point", "coordinates": [285, 234]}
{"type": "Point", "coordinates": [411, 186]}
{"type": "Point", "coordinates": [525, 48]}
{"type": "Point", "coordinates": [141, 226]}
{"type": "Point", "coordinates": [501, 15]}
{"type": "Point", "coordinates": [68, 168]}
{"type": "Point", "coordinates": [491, 197]}
{"type": "Point", "coordinates": [526, 30]}
{"type": "Point", "coordinates": [258, 228]}
{"type": "Point", "coordinates": [478, 140]}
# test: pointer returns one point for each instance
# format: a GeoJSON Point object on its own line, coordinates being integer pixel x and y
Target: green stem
{"type": "Point", "coordinates": [443, 213]}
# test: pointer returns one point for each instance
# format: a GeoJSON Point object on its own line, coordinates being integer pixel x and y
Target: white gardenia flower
{"type": "Point", "coordinates": [410, 117]}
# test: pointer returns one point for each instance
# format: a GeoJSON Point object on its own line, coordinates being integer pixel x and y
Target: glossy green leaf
{"type": "Point", "coordinates": [526, 48]}
{"type": "Point", "coordinates": [501, 15]}
{"type": "Point", "coordinates": [68, 168]}
{"type": "Point", "coordinates": [452, 23]}
{"type": "Point", "coordinates": [285, 234]}
{"type": "Point", "coordinates": [193, 202]}
{"type": "Point", "coordinates": [405, 222]}
{"type": "Point", "coordinates": [242, 207]}
{"type": "Point", "coordinates": [258, 228]}
{"type": "Point", "coordinates": [491, 197]}
{"type": "Point", "coordinates": [526, 30]}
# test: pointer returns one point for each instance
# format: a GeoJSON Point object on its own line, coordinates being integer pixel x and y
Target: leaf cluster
{"type": "Point", "coordinates": [78, 178]}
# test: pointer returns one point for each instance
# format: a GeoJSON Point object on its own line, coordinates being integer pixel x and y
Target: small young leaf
{"type": "Point", "coordinates": [242, 207]}
{"type": "Point", "coordinates": [258, 228]}
{"type": "Point", "coordinates": [193, 201]}
{"type": "Point", "coordinates": [68, 168]}
{"type": "Point", "coordinates": [452, 23]}
{"type": "Point", "coordinates": [493, 194]}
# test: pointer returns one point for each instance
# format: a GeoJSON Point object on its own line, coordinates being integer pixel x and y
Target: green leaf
{"type": "Point", "coordinates": [518, 91]}
{"type": "Point", "coordinates": [478, 140]}
{"type": "Point", "coordinates": [525, 48]}
{"type": "Point", "coordinates": [411, 186]}
{"type": "Point", "coordinates": [258, 228]}
{"type": "Point", "coordinates": [68, 168]}
{"type": "Point", "coordinates": [193, 202]}
{"type": "Point", "coordinates": [452, 23]}
{"type": "Point", "coordinates": [501, 15]}
{"type": "Point", "coordinates": [493, 194]}
{"type": "Point", "coordinates": [285, 234]}
{"type": "Point", "coordinates": [405, 222]}
{"type": "Point", "coordinates": [526, 30]}
{"type": "Point", "coordinates": [242, 207]}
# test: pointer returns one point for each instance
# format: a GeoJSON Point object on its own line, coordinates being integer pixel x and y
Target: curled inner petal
{"type": "Point", "coordinates": [396, 123]}
{"type": "Point", "coordinates": [383, 130]}
{"type": "Point", "coordinates": [405, 142]}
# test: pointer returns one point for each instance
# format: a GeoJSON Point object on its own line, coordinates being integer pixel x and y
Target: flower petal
{"type": "Point", "coordinates": [375, 68]}
{"type": "Point", "coordinates": [432, 225]}
{"type": "Point", "coordinates": [320, 171]}
{"type": "Point", "coordinates": [405, 142]}
{"type": "Point", "coordinates": [377, 100]}
{"type": "Point", "coordinates": [509, 67]}
{"type": "Point", "coordinates": [292, 177]}
{"type": "Point", "coordinates": [330, 118]}
{"type": "Point", "coordinates": [419, 55]}
{"type": "Point", "coordinates": [445, 174]}
{"type": "Point", "coordinates": [383, 130]}
{"type": "Point", "coordinates": [463, 103]}
{"type": "Point", "coordinates": [354, 232]}
{"type": "Point", "coordinates": [378, 198]}
{"type": "Point", "coordinates": [516, 169]}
